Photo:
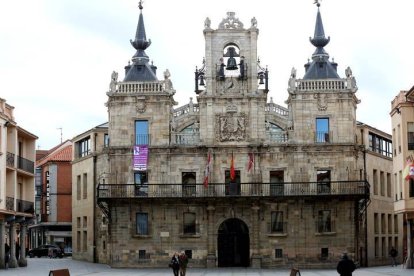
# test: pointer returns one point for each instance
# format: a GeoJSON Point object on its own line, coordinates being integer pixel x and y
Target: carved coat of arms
{"type": "Point", "coordinates": [231, 127]}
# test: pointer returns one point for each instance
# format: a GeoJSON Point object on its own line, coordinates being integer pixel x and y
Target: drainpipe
{"type": "Point", "coordinates": [94, 201]}
{"type": "Point", "coordinates": [366, 210]}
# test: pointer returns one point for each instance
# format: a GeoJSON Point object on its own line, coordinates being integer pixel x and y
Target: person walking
{"type": "Point", "coordinates": [183, 259]}
{"type": "Point", "coordinates": [6, 255]}
{"type": "Point", "coordinates": [175, 264]}
{"type": "Point", "coordinates": [345, 266]}
{"type": "Point", "coordinates": [393, 254]}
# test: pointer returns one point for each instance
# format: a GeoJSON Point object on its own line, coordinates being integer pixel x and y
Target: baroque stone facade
{"type": "Point", "coordinates": [234, 179]}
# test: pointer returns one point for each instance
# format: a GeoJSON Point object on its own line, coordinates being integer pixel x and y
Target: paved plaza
{"type": "Point", "coordinates": [42, 266]}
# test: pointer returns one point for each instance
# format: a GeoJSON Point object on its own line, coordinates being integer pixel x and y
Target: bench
{"type": "Point", "coordinates": [59, 272]}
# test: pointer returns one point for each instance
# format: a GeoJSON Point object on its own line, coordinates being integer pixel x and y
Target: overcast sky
{"type": "Point", "coordinates": [56, 56]}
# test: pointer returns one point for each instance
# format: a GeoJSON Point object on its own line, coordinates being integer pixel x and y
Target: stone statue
{"type": "Point", "coordinates": [167, 81]}
{"type": "Point", "coordinates": [292, 79]}
{"type": "Point", "coordinates": [114, 81]}
{"type": "Point", "coordinates": [350, 79]}
{"type": "Point", "coordinates": [254, 22]}
{"type": "Point", "coordinates": [207, 23]}
{"type": "Point", "coordinates": [348, 72]}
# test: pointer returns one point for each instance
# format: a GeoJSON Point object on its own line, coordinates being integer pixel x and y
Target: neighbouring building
{"type": "Point", "coordinates": [382, 224]}
{"type": "Point", "coordinates": [17, 155]}
{"type": "Point", "coordinates": [53, 198]}
{"type": "Point", "coordinates": [402, 117]}
{"type": "Point", "coordinates": [232, 178]}
{"type": "Point", "coordinates": [85, 171]}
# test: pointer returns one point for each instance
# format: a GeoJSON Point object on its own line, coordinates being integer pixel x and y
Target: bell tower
{"type": "Point", "coordinates": [231, 85]}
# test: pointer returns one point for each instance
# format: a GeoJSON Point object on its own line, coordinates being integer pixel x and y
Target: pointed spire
{"type": "Point", "coordinates": [140, 70]}
{"type": "Point", "coordinates": [320, 67]}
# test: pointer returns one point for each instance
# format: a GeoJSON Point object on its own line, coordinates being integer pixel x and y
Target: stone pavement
{"type": "Point", "coordinates": [42, 266]}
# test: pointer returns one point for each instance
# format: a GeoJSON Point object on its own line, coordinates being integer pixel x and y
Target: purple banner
{"type": "Point", "coordinates": [140, 158]}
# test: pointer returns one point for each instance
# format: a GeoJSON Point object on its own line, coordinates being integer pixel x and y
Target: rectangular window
{"type": "Point", "coordinates": [78, 241]}
{"type": "Point", "coordinates": [276, 183]}
{"type": "Point", "coordinates": [78, 222]}
{"type": "Point", "coordinates": [383, 224]}
{"type": "Point", "coordinates": [382, 183]}
{"type": "Point", "coordinates": [395, 224]}
{"type": "Point", "coordinates": [324, 221]}
{"type": "Point", "coordinates": [376, 247]}
{"type": "Point", "coordinates": [380, 144]}
{"type": "Point", "coordinates": [189, 223]}
{"type": "Point", "coordinates": [142, 224]}
{"type": "Point", "coordinates": [375, 181]}
{"type": "Point", "coordinates": [389, 223]}
{"type": "Point", "coordinates": [322, 130]}
{"type": "Point", "coordinates": [278, 253]}
{"type": "Point", "coordinates": [323, 179]}
{"type": "Point", "coordinates": [142, 254]}
{"type": "Point", "coordinates": [189, 183]}
{"type": "Point", "coordinates": [411, 188]}
{"type": "Point", "coordinates": [141, 183]}
{"type": "Point", "coordinates": [388, 185]}
{"type": "Point", "coordinates": [376, 227]}
{"type": "Point", "coordinates": [189, 253]}
{"type": "Point", "coordinates": [85, 241]}
{"type": "Point", "coordinates": [85, 185]}
{"type": "Point", "coordinates": [84, 147]}
{"type": "Point", "coordinates": [383, 247]}
{"type": "Point", "coordinates": [141, 133]}
{"type": "Point", "coordinates": [85, 222]}
{"type": "Point", "coordinates": [276, 222]}
{"type": "Point", "coordinates": [233, 186]}
{"type": "Point", "coordinates": [324, 253]}
{"type": "Point", "coordinates": [410, 135]}
{"type": "Point", "coordinates": [78, 187]}
{"type": "Point", "coordinates": [106, 140]}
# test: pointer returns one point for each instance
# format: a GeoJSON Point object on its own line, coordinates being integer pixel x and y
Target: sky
{"type": "Point", "coordinates": [57, 56]}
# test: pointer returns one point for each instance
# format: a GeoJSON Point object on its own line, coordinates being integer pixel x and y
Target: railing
{"type": "Point", "coordinates": [277, 228]}
{"type": "Point", "coordinates": [277, 109]}
{"type": "Point", "coordinates": [25, 164]}
{"type": "Point", "coordinates": [186, 109]}
{"type": "Point", "coordinates": [9, 203]}
{"type": "Point", "coordinates": [321, 85]}
{"type": "Point", "coordinates": [286, 189]}
{"type": "Point", "coordinates": [186, 138]}
{"type": "Point", "coordinates": [323, 137]}
{"type": "Point", "coordinates": [325, 226]}
{"type": "Point", "coordinates": [24, 206]}
{"type": "Point", "coordinates": [10, 160]}
{"type": "Point", "coordinates": [134, 87]}
{"type": "Point", "coordinates": [277, 137]}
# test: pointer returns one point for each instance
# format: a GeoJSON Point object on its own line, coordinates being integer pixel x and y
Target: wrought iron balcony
{"type": "Point", "coordinates": [264, 190]}
{"type": "Point", "coordinates": [24, 206]}
{"type": "Point", "coordinates": [25, 164]}
{"type": "Point", "coordinates": [10, 159]}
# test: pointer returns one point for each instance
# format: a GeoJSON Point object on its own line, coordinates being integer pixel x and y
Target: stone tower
{"type": "Point", "coordinates": [232, 101]}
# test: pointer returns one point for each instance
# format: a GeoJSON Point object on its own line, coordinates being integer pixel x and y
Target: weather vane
{"type": "Point", "coordinates": [140, 4]}
{"type": "Point", "coordinates": [317, 3]}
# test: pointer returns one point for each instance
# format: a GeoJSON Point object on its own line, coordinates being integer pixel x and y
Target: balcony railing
{"type": "Point", "coordinates": [10, 160]}
{"type": "Point", "coordinates": [24, 206]}
{"type": "Point", "coordinates": [323, 137]}
{"type": "Point", "coordinates": [9, 203]}
{"type": "Point", "coordinates": [186, 138]}
{"type": "Point", "coordinates": [25, 164]}
{"type": "Point", "coordinates": [286, 189]}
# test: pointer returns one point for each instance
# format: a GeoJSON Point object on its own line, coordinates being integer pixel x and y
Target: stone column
{"type": "Point", "coordinates": [2, 241]}
{"type": "Point", "coordinates": [23, 232]}
{"type": "Point", "coordinates": [211, 252]}
{"type": "Point", "coordinates": [12, 231]}
{"type": "Point", "coordinates": [255, 234]}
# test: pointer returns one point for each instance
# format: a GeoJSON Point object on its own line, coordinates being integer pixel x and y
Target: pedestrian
{"type": "Point", "coordinates": [345, 266]}
{"type": "Point", "coordinates": [393, 254]}
{"type": "Point", "coordinates": [175, 264]}
{"type": "Point", "coordinates": [6, 255]}
{"type": "Point", "coordinates": [183, 259]}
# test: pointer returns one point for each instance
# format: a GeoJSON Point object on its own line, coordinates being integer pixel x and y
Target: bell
{"type": "Point", "coordinates": [261, 79]}
{"type": "Point", "coordinates": [202, 80]}
{"type": "Point", "coordinates": [231, 62]}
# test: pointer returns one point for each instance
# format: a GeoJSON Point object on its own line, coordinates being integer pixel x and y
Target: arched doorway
{"type": "Point", "coordinates": [233, 243]}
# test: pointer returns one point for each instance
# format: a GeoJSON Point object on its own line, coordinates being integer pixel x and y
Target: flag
{"type": "Point", "coordinates": [408, 170]}
{"type": "Point", "coordinates": [207, 170]}
{"type": "Point", "coordinates": [232, 171]}
{"type": "Point", "coordinates": [251, 162]}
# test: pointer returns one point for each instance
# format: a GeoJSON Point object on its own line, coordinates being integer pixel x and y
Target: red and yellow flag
{"type": "Point", "coordinates": [232, 171]}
